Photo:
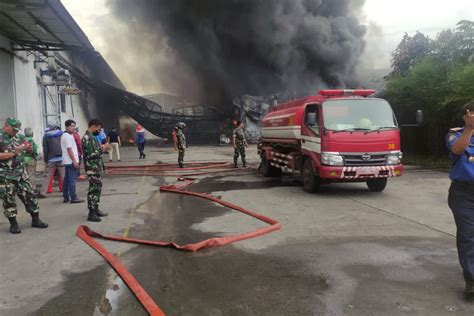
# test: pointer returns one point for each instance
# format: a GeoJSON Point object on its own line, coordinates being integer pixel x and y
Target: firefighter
{"type": "Point", "coordinates": [180, 142]}
{"type": "Point", "coordinates": [239, 141]}
{"type": "Point", "coordinates": [460, 142]}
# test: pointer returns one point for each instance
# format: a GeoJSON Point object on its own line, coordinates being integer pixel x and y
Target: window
{"type": "Point", "coordinates": [62, 97]}
{"type": "Point", "coordinates": [358, 114]}
{"type": "Point", "coordinates": [312, 108]}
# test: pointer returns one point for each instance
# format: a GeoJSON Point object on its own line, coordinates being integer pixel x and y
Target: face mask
{"type": "Point", "coordinates": [96, 133]}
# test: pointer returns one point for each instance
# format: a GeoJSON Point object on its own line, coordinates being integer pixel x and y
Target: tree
{"type": "Point", "coordinates": [436, 76]}
{"type": "Point", "coordinates": [465, 40]}
{"type": "Point", "coordinates": [455, 47]}
{"type": "Point", "coordinates": [410, 50]}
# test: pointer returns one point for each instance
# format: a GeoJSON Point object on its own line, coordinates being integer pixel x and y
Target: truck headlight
{"type": "Point", "coordinates": [393, 159]}
{"type": "Point", "coordinates": [332, 159]}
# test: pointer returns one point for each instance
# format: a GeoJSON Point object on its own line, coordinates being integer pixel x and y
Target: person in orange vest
{"type": "Point", "coordinates": [140, 140]}
{"type": "Point", "coordinates": [175, 139]}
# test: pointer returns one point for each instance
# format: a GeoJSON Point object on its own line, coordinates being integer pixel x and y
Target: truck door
{"type": "Point", "coordinates": [311, 129]}
{"type": "Point", "coordinates": [308, 128]}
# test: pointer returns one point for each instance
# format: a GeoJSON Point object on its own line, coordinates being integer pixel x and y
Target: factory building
{"type": "Point", "coordinates": [49, 70]}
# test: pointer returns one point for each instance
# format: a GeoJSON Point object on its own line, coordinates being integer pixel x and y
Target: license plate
{"type": "Point", "coordinates": [367, 170]}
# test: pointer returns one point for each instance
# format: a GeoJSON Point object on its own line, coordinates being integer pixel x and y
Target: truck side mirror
{"type": "Point", "coordinates": [419, 117]}
{"type": "Point", "coordinates": [311, 119]}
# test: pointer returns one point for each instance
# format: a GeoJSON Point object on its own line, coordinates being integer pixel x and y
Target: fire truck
{"type": "Point", "coordinates": [334, 136]}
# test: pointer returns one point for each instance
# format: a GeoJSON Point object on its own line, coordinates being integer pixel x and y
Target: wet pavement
{"type": "Point", "coordinates": [345, 251]}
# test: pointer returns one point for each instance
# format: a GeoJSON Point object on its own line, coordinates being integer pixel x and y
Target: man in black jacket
{"type": "Point", "coordinates": [53, 156]}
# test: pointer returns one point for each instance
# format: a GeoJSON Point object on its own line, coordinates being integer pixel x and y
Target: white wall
{"type": "Point", "coordinates": [7, 98]}
{"type": "Point", "coordinates": [29, 107]}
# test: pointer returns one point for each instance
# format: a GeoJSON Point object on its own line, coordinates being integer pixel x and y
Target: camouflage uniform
{"type": "Point", "coordinates": [181, 144]}
{"type": "Point", "coordinates": [94, 167]}
{"type": "Point", "coordinates": [13, 177]}
{"type": "Point", "coordinates": [239, 145]}
{"type": "Point", "coordinates": [31, 158]}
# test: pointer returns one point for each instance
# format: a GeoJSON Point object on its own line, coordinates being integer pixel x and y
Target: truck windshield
{"type": "Point", "coordinates": [358, 115]}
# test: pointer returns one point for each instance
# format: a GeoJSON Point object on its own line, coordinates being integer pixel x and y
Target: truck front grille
{"type": "Point", "coordinates": [363, 160]}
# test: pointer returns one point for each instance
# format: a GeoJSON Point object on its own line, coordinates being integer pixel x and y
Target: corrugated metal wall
{"type": "Point", "coordinates": [7, 98]}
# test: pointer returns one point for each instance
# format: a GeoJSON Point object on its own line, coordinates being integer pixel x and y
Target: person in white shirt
{"type": "Point", "coordinates": [70, 162]}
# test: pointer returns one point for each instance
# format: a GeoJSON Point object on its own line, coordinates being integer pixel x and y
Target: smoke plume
{"type": "Point", "coordinates": [211, 50]}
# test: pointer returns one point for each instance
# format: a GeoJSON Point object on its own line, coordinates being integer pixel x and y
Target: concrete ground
{"type": "Point", "coordinates": [344, 251]}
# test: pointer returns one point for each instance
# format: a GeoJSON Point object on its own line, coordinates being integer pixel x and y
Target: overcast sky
{"type": "Point", "coordinates": [388, 20]}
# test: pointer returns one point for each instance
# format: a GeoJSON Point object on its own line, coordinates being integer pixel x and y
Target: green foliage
{"type": "Point", "coordinates": [410, 50]}
{"type": "Point", "coordinates": [455, 47]}
{"type": "Point", "coordinates": [438, 80]}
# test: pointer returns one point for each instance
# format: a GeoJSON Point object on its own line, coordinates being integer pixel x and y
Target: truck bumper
{"type": "Point", "coordinates": [359, 173]}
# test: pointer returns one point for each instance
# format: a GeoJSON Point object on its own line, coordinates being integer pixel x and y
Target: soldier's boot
{"type": "Point", "coordinates": [14, 228]}
{"type": "Point", "coordinates": [181, 165]}
{"type": "Point", "coordinates": [244, 165]}
{"type": "Point", "coordinates": [469, 290]}
{"type": "Point", "coordinates": [92, 217]}
{"type": "Point", "coordinates": [100, 213]}
{"type": "Point", "coordinates": [36, 222]}
{"type": "Point", "coordinates": [144, 156]}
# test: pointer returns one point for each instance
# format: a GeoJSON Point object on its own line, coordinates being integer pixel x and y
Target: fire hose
{"type": "Point", "coordinates": [88, 235]}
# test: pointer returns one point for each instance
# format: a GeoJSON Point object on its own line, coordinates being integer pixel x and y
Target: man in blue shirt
{"type": "Point", "coordinates": [460, 142]}
{"type": "Point", "coordinates": [53, 156]}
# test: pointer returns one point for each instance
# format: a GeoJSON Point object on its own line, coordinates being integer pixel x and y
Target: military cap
{"type": "Point", "coordinates": [13, 123]}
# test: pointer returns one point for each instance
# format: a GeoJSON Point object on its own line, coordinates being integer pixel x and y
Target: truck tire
{"type": "Point", "coordinates": [377, 185]}
{"type": "Point", "coordinates": [268, 170]}
{"type": "Point", "coordinates": [311, 182]}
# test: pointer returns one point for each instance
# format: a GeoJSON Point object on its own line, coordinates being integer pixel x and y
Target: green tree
{"type": "Point", "coordinates": [410, 50]}
{"type": "Point", "coordinates": [455, 47]}
{"type": "Point", "coordinates": [436, 76]}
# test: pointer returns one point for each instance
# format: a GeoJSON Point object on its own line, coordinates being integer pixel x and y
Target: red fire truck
{"type": "Point", "coordinates": [334, 136]}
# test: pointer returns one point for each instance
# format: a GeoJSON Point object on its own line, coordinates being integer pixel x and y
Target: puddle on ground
{"type": "Point", "coordinates": [219, 184]}
{"type": "Point", "coordinates": [216, 281]}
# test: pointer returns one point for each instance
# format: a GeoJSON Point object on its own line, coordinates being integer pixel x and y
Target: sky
{"type": "Point", "coordinates": [395, 17]}
{"type": "Point", "coordinates": [387, 21]}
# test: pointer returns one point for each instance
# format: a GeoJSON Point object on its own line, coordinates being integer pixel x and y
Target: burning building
{"type": "Point", "coordinates": [212, 51]}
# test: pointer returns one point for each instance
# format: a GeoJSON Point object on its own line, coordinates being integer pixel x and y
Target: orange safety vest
{"type": "Point", "coordinates": [175, 138]}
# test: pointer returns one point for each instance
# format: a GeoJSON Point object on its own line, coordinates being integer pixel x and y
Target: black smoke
{"type": "Point", "coordinates": [216, 49]}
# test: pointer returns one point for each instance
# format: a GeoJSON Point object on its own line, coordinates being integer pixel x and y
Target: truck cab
{"type": "Point", "coordinates": [335, 136]}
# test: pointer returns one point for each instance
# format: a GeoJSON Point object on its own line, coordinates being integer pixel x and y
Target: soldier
{"type": "Point", "coordinates": [31, 158]}
{"type": "Point", "coordinates": [240, 143]}
{"type": "Point", "coordinates": [180, 142]}
{"type": "Point", "coordinates": [13, 177]}
{"type": "Point", "coordinates": [94, 167]}
{"type": "Point", "coordinates": [460, 143]}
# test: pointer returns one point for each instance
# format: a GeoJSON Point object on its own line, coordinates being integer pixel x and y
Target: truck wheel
{"type": "Point", "coordinates": [377, 185]}
{"type": "Point", "coordinates": [268, 170]}
{"type": "Point", "coordinates": [311, 182]}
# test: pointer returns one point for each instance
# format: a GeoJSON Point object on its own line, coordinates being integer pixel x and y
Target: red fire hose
{"type": "Point", "coordinates": [87, 235]}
